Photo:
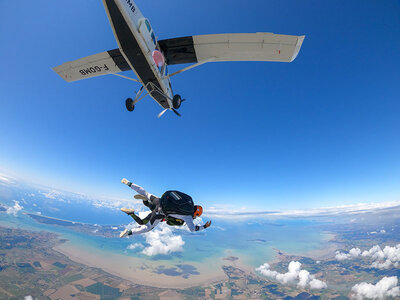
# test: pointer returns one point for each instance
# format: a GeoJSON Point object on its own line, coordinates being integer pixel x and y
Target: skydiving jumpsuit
{"type": "Point", "coordinates": [155, 217]}
{"type": "Point", "coordinates": [157, 214]}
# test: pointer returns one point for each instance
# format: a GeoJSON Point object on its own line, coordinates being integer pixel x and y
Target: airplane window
{"type": "Point", "coordinates": [153, 38]}
{"type": "Point", "coordinates": [148, 25]}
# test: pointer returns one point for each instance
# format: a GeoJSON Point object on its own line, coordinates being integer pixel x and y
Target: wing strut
{"type": "Point", "coordinates": [192, 66]}
{"type": "Point", "coordinates": [126, 77]}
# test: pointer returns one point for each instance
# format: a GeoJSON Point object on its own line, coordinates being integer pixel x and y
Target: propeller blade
{"type": "Point", "coordinates": [176, 112]}
{"type": "Point", "coordinates": [161, 113]}
{"type": "Point", "coordinates": [183, 100]}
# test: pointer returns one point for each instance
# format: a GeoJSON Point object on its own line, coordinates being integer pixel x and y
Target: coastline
{"type": "Point", "coordinates": [142, 272]}
{"type": "Point", "coordinates": [167, 273]}
{"type": "Point", "coordinates": [322, 253]}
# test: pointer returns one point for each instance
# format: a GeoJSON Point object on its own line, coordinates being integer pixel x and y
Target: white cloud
{"type": "Point", "coordinates": [143, 214]}
{"type": "Point", "coordinates": [28, 297]}
{"type": "Point", "coordinates": [13, 210]}
{"type": "Point", "coordinates": [52, 194]}
{"type": "Point", "coordinates": [303, 277]}
{"type": "Point", "coordinates": [7, 179]}
{"type": "Point", "coordinates": [386, 287]}
{"type": "Point", "coordinates": [353, 253]}
{"type": "Point", "coordinates": [342, 256]}
{"type": "Point", "coordinates": [376, 232]}
{"type": "Point", "coordinates": [382, 259]}
{"type": "Point", "coordinates": [134, 246]}
{"type": "Point", "coordinates": [114, 203]}
{"type": "Point", "coordinates": [354, 209]}
{"type": "Point", "coordinates": [316, 284]}
{"type": "Point", "coordinates": [162, 241]}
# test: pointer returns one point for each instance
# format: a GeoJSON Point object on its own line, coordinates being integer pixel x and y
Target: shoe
{"type": "Point", "coordinates": [125, 233]}
{"type": "Point", "coordinates": [128, 210]}
{"type": "Point", "coordinates": [140, 197]}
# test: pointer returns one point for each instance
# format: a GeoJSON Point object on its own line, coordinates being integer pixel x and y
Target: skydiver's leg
{"type": "Point", "coordinates": [139, 230]}
{"type": "Point", "coordinates": [137, 219]}
{"type": "Point", "coordinates": [145, 201]}
{"type": "Point", "coordinates": [138, 189]}
{"type": "Point", "coordinates": [140, 221]}
{"type": "Point", "coordinates": [131, 212]}
{"type": "Point", "coordinates": [147, 219]}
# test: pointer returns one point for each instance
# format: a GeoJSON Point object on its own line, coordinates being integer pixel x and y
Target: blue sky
{"type": "Point", "coordinates": [321, 131]}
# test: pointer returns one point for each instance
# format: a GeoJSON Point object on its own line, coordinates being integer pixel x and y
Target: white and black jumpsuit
{"type": "Point", "coordinates": [157, 214]}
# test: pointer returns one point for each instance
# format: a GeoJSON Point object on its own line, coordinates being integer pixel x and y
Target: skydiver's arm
{"type": "Point", "coordinates": [189, 222]}
{"type": "Point", "coordinates": [145, 228]}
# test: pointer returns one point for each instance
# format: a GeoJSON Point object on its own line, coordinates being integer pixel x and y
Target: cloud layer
{"type": "Point", "coordinates": [354, 209]}
{"type": "Point", "coordinates": [6, 179]}
{"type": "Point", "coordinates": [13, 210]}
{"type": "Point", "coordinates": [386, 287]}
{"type": "Point", "coordinates": [303, 278]}
{"type": "Point", "coordinates": [382, 258]}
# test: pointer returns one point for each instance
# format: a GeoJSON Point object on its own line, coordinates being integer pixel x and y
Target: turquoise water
{"type": "Point", "coordinates": [252, 242]}
{"type": "Point", "coordinates": [255, 242]}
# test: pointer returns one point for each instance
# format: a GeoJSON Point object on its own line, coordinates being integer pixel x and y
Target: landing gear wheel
{"type": "Point", "coordinates": [176, 101]}
{"type": "Point", "coordinates": [130, 106]}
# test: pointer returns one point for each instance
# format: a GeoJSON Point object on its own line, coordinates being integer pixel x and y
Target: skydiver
{"type": "Point", "coordinates": [131, 212]}
{"type": "Point", "coordinates": [157, 215]}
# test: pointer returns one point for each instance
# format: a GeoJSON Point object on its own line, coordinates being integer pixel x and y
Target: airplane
{"type": "Point", "coordinates": [140, 51]}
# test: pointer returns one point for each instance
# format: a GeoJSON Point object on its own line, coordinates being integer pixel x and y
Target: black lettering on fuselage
{"type": "Point", "coordinates": [94, 69]}
{"type": "Point", "coordinates": [131, 6]}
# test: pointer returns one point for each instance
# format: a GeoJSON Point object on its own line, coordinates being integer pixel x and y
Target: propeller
{"type": "Point", "coordinates": [173, 109]}
{"type": "Point", "coordinates": [161, 113]}
{"type": "Point", "coordinates": [176, 112]}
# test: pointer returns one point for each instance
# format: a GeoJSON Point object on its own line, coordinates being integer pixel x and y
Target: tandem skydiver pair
{"type": "Point", "coordinates": [174, 207]}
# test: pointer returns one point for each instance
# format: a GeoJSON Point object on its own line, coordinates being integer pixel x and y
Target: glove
{"type": "Point", "coordinates": [125, 181]}
{"type": "Point", "coordinates": [208, 224]}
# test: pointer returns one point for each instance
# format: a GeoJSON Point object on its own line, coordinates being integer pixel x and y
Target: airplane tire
{"type": "Point", "coordinates": [129, 104]}
{"type": "Point", "coordinates": [176, 101]}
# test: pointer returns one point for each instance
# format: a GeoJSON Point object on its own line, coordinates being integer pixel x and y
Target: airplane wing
{"type": "Point", "coordinates": [261, 46]}
{"type": "Point", "coordinates": [108, 62]}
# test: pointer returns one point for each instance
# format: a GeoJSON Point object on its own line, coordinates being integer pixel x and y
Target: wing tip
{"type": "Point", "coordinates": [297, 48]}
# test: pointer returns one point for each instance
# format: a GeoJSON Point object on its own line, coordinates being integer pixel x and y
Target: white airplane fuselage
{"type": "Point", "coordinates": [139, 51]}
{"type": "Point", "coordinates": [137, 41]}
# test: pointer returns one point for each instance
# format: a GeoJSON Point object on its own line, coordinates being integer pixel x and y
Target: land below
{"type": "Point", "coordinates": [47, 266]}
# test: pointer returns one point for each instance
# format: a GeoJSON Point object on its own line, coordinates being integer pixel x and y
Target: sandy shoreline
{"type": "Point", "coordinates": [326, 252]}
{"type": "Point", "coordinates": [323, 253]}
{"type": "Point", "coordinates": [143, 272]}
